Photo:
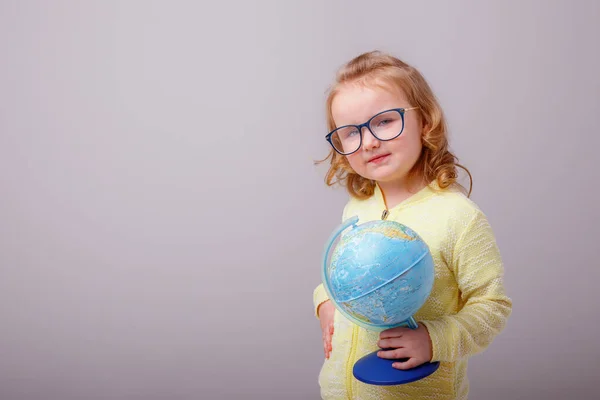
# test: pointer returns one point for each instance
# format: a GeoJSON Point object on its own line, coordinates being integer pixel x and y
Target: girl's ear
{"type": "Point", "coordinates": [424, 123]}
{"type": "Point", "coordinates": [424, 127]}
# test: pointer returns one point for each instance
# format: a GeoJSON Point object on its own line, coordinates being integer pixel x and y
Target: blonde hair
{"type": "Point", "coordinates": [436, 162]}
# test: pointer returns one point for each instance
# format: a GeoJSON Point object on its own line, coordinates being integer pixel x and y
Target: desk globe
{"type": "Point", "coordinates": [379, 274]}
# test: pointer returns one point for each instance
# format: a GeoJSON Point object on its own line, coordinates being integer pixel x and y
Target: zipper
{"type": "Point", "coordinates": [385, 214]}
{"type": "Point", "coordinates": [350, 363]}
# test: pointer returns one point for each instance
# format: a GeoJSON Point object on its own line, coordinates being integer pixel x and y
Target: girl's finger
{"type": "Point", "coordinates": [391, 333]}
{"type": "Point", "coordinates": [392, 354]}
{"type": "Point", "coordinates": [327, 344]}
{"type": "Point", "coordinates": [411, 363]}
{"type": "Point", "coordinates": [391, 343]}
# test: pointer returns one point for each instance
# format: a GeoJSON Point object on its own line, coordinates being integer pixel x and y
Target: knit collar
{"type": "Point", "coordinates": [420, 195]}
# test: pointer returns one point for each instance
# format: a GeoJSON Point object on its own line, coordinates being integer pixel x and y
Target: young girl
{"type": "Point", "coordinates": [390, 149]}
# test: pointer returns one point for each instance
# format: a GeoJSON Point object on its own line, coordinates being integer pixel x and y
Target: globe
{"type": "Point", "coordinates": [378, 275]}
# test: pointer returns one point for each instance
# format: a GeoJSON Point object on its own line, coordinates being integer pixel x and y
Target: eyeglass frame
{"type": "Point", "coordinates": [360, 127]}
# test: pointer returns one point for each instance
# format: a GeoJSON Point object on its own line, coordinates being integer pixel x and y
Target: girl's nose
{"type": "Point", "coordinates": [369, 141]}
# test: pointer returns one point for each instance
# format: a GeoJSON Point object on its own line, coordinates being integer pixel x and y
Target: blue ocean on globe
{"type": "Point", "coordinates": [379, 274]}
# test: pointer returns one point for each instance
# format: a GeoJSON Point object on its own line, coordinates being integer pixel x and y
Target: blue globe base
{"type": "Point", "coordinates": [374, 370]}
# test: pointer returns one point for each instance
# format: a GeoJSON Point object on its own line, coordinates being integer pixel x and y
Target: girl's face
{"type": "Point", "coordinates": [382, 161]}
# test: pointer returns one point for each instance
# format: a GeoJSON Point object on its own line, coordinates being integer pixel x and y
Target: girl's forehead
{"type": "Point", "coordinates": [355, 103]}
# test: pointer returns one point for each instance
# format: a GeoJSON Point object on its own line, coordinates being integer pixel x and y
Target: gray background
{"type": "Point", "coordinates": [161, 220]}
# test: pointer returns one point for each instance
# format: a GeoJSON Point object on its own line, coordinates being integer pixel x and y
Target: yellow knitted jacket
{"type": "Point", "coordinates": [466, 309]}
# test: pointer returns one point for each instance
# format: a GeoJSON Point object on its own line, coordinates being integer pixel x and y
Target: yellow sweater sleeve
{"type": "Point", "coordinates": [319, 297]}
{"type": "Point", "coordinates": [478, 268]}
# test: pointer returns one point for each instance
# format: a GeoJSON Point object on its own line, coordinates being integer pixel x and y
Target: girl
{"type": "Point", "coordinates": [390, 149]}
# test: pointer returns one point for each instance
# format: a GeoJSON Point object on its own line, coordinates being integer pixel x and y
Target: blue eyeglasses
{"type": "Point", "coordinates": [386, 125]}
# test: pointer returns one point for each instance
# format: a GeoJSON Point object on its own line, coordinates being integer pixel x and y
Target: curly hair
{"type": "Point", "coordinates": [436, 161]}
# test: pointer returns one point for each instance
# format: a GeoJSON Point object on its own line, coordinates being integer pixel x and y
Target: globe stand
{"type": "Point", "coordinates": [374, 370]}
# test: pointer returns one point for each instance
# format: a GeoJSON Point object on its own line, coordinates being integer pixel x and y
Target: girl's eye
{"type": "Point", "coordinates": [348, 133]}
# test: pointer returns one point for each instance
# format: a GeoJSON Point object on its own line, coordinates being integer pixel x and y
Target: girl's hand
{"type": "Point", "coordinates": [411, 344]}
{"type": "Point", "coordinates": [326, 311]}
